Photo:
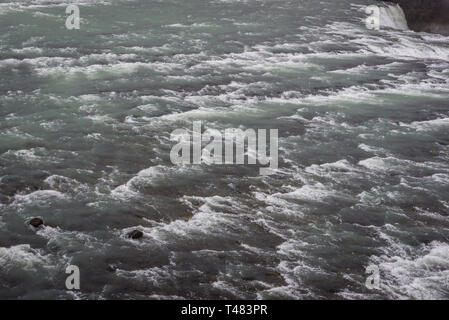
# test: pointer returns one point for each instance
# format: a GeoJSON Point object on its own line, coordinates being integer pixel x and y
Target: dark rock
{"type": "Point", "coordinates": [135, 234]}
{"type": "Point", "coordinates": [36, 222]}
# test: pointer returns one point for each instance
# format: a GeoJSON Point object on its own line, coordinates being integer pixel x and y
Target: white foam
{"type": "Point", "coordinates": [154, 176]}
{"type": "Point", "coordinates": [40, 198]}
{"type": "Point", "coordinates": [27, 155]}
{"type": "Point", "coordinates": [386, 164]}
{"type": "Point", "coordinates": [414, 272]}
{"type": "Point", "coordinates": [66, 185]}
{"type": "Point", "coordinates": [22, 257]}
{"type": "Point", "coordinates": [193, 25]}
{"type": "Point", "coordinates": [70, 241]}
{"type": "Point", "coordinates": [405, 47]}
{"type": "Point", "coordinates": [431, 125]}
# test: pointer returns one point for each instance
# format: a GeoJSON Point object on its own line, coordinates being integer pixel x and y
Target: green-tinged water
{"type": "Point", "coordinates": [85, 123]}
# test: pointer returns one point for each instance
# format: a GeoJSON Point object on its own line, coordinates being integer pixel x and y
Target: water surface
{"type": "Point", "coordinates": [86, 117]}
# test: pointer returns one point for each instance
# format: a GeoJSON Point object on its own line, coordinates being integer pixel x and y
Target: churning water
{"type": "Point", "coordinates": [392, 17]}
{"type": "Point", "coordinates": [86, 117]}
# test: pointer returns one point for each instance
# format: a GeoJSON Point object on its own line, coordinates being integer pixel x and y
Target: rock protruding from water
{"type": "Point", "coordinates": [36, 222]}
{"type": "Point", "coordinates": [135, 234]}
{"type": "Point", "coordinates": [426, 15]}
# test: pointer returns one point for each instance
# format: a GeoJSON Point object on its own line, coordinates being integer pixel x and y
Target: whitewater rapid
{"type": "Point", "coordinates": [85, 142]}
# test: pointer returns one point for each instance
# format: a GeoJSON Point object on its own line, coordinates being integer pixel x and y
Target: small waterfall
{"type": "Point", "coordinates": [392, 16]}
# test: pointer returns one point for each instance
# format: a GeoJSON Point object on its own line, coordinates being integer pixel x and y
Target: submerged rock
{"type": "Point", "coordinates": [135, 234]}
{"type": "Point", "coordinates": [36, 222]}
{"type": "Point", "coordinates": [111, 268]}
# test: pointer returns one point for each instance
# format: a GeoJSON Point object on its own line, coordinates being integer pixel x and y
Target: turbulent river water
{"type": "Point", "coordinates": [86, 117]}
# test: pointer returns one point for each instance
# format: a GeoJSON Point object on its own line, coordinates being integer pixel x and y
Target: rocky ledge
{"type": "Point", "coordinates": [426, 15]}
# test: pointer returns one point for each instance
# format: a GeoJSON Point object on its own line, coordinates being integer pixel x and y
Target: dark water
{"type": "Point", "coordinates": [86, 117]}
